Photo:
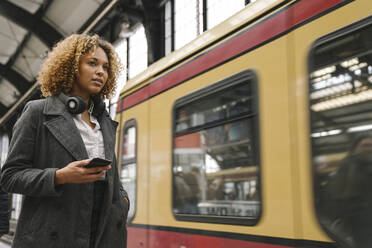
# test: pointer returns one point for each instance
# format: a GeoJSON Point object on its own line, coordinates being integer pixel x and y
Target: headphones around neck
{"type": "Point", "coordinates": [76, 104]}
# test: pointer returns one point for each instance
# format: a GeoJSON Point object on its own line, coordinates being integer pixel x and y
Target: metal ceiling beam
{"type": "Point", "coordinates": [131, 12]}
{"type": "Point", "coordinates": [47, 34]}
{"type": "Point", "coordinates": [94, 17]}
{"type": "Point", "coordinates": [153, 24]}
{"type": "Point", "coordinates": [162, 3]}
{"type": "Point", "coordinates": [33, 93]}
{"type": "Point", "coordinates": [19, 50]}
{"type": "Point", "coordinates": [39, 13]}
{"type": "Point", "coordinates": [15, 78]}
{"type": "Point", "coordinates": [134, 14]}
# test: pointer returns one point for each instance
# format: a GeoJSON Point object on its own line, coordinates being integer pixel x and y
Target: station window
{"type": "Point", "coordinates": [216, 153]}
{"type": "Point", "coordinates": [220, 10]}
{"type": "Point", "coordinates": [186, 22]}
{"type": "Point", "coordinates": [340, 95]}
{"type": "Point", "coordinates": [128, 173]}
{"type": "Point", "coordinates": [137, 52]}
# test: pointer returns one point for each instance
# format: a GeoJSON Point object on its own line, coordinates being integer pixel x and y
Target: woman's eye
{"type": "Point", "coordinates": [91, 63]}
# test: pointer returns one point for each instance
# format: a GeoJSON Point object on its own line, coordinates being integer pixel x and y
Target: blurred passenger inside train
{"type": "Point", "coordinates": [182, 192]}
{"type": "Point", "coordinates": [187, 191]}
{"type": "Point", "coordinates": [191, 179]}
{"type": "Point", "coordinates": [216, 190]}
{"type": "Point", "coordinates": [350, 194]}
{"type": "Point", "coordinates": [67, 204]}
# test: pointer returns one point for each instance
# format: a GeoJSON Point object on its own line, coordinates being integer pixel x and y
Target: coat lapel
{"type": "Point", "coordinates": [63, 128]}
{"type": "Point", "coordinates": [108, 128]}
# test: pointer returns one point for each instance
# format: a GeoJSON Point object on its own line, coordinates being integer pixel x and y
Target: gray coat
{"type": "Point", "coordinates": [4, 212]}
{"type": "Point", "coordinates": [45, 139]}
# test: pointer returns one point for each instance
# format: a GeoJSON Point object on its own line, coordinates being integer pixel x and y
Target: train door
{"type": "Point", "coordinates": [134, 163]}
{"type": "Point", "coordinates": [331, 98]}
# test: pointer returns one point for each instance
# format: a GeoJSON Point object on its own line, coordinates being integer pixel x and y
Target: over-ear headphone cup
{"type": "Point", "coordinates": [75, 105]}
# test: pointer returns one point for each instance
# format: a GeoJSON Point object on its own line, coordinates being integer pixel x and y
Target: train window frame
{"type": "Point", "coordinates": [133, 203]}
{"type": "Point", "coordinates": [250, 77]}
{"type": "Point", "coordinates": [332, 36]}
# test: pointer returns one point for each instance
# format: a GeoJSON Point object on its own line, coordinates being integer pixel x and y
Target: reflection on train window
{"type": "Point", "coordinates": [212, 109]}
{"type": "Point", "coordinates": [128, 173]}
{"type": "Point", "coordinates": [215, 156]}
{"type": "Point", "coordinates": [341, 131]}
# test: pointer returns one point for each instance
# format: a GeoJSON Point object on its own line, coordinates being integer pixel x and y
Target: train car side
{"type": "Point", "coordinates": [269, 52]}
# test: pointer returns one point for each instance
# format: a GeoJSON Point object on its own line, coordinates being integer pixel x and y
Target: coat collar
{"type": "Point", "coordinates": [63, 128]}
{"type": "Point", "coordinates": [54, 106]}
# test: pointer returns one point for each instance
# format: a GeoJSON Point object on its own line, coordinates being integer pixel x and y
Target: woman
{"type": "Point", "coordinates": [66, 204]}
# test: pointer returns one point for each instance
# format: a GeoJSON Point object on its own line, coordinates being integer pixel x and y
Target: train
{"type": "Point", "coordinates": [234, 139]}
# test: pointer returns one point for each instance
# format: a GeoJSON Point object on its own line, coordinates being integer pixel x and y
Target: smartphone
{"type": "Point", "coordinates": [97, 162]}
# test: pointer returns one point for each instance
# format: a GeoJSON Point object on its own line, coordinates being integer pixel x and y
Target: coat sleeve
{"type": "Point", "coordinates": [4, 212]}
{"type": "Point", "coordinates": [19, 173]}
{"type": "Point", "coordinates": [122, 191]}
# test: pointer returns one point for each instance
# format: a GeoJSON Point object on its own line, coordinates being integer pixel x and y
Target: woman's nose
{"type": "Point", "coordinates": [100, 70]}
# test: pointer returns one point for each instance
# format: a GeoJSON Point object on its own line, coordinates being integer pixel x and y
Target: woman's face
{"type": "Point", "coordinates": [93, 73]}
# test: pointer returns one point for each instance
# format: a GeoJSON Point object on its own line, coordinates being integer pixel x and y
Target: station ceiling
{"type": "Point", "coordinates": [30, 28]}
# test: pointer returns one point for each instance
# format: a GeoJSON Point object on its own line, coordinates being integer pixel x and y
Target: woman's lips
{"type": "Point", "coordinates": [97, 82]}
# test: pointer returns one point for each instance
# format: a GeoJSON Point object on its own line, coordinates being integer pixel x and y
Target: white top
{"type": "Point", "coordinates": [92, 138]}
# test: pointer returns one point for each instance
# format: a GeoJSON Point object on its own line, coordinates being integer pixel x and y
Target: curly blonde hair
{"type": "Point", "coordinates": [60, 69]}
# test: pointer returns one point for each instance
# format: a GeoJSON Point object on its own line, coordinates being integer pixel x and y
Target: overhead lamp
{"type": "Point", "coordinates": [359, 128]}
{"type": "Point", "coordinates": [343, 101]}
{"type": "Point", "coordinates": [323, 71]}
{"type": "Point", "coordinates": [357, 83]}
{"type": "Point", "coordinates": [326, 133]}
{"type": "Point", "coordinates": [324, 77]}
{"type": "Point", "coordinates": [331, 91]}
{"type": "Point", "coordinates": [356, 67]}
{"type": "Point", "coordinates": [342, 78]}
{"type": "Point", "coordinates": [350, 62]}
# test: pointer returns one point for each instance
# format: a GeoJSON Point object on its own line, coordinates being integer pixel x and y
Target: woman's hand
{"type": "Point", "coordinates": [75, 172]}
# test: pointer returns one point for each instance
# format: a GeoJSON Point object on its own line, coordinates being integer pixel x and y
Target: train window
{"type": "Point", "coordinates": [340, 95]}
{"type": "Point", "coordinates": [128, 173]}
{"type": "Point", "coordinates": [216, 153]}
